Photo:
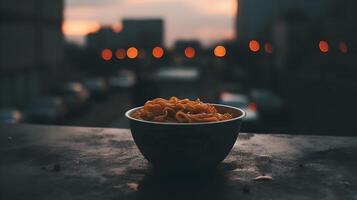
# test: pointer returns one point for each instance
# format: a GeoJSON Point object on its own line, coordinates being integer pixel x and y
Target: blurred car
{"type": "Point", "coordinates": [231, 87]}
{"type": "Point", "coordinates": [98, 87]}
{"type": "Point", "coordinates": [124, 79]}
{"type": "Point", "coordinates": [177, 73]}
{"type": "Point", "coordinates": [74, 94]}
{"type": "Point", "coordinates": [11, 116]}
{"type": "Point", "coordinates": [178, 80]}
{"type": "Point", "coordinates": [47, 109]}
{"type": "Point", "coordinates": [242, 101]}
{"type": "Point", "coordinates": [267, 102]}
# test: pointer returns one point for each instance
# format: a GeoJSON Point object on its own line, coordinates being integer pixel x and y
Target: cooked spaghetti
{"type": "Point", "coordinates": [179, 110]}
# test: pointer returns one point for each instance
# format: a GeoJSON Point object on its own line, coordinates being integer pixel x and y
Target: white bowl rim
{"type": "Point", "coordinates": [128, 113]}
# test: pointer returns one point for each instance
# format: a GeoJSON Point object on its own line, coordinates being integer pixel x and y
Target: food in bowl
{"type": "Point", "coordinates": [174, 146]}
{"type": "Point", "coordinates": [179, 110]}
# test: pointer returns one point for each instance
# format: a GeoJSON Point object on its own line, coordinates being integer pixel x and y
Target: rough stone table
{"type": "Point", "coordinates": [49, 162]}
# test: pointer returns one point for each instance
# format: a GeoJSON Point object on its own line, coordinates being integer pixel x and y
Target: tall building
{"type": "Point", "coordinates": [31, 47]}
{"type": "Point", "coordinates": [142, 33]}
{"type": "Point", "coordinates": [313, 78]}
{"type": "Point", "coordinates": [254, 15]}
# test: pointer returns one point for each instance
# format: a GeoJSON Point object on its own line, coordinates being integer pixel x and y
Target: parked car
{"type": "Point", "coordinates": [178, 73]}
{"type": "Point", "coordinates": [11, 116]}
{"type": "Point", "coordinates": [231, 87]}
{"type": "Point", "coordinates": [185, 80]}
{"type": "Point", "coordinates": [98, 87]}
{"type": "Point", "coordinates": [49, 109]}
{"type": "Point", "coordinates": [74, 94]}
{"type": "Point", "coordinates": [124, 79]}
{"type": "Point", "coordinates": [268, 103]}
{"type": "Point", "coordinates": [243, 102]}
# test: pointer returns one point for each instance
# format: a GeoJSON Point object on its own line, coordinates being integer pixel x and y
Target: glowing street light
{"type": "Point", "coordinates": [190, 52]}
{"type": "Point", "coordinates": [106, 54]}
{"type": "Point", "coordinates": [132, 52]}
{"type": "Point", "coordinates": [120, 54]}
{"type": "Point", "coordinates": [254, 45]}
{"type": "Point", "coordinates": [157, 52]}
{"type": "Point", "coordinates": [220, 51]}
{"type": "Point", "coordinates": [323, 46]}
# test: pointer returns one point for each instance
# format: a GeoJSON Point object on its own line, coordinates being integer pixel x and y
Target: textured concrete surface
{"type": "Point", "coordinates": [48, 162]}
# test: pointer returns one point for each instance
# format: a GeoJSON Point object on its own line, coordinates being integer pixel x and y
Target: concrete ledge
{"type": "Point", "coordinates": [51, 162]}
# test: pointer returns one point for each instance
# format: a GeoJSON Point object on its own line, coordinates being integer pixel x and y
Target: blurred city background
{"type": "Point", "coordinates": [291, 64]}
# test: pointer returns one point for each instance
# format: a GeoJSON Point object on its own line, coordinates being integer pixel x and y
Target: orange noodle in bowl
{"type": "Point", "coordinates": [179, 111]}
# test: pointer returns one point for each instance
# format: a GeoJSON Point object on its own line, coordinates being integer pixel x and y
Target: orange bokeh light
{"type": "Point", "coordinates": [254, 45]}
{"type": "Point", "coordinates": [190, 52]}
{"type": "Point", "coordinates": [157, 52]}
{"type": "Point", "coordinates": [268, 48]}
{"type": "Point", "coordinates": [343, 47]}
{"type": "Point", "coordinates": [107, 54]}
{"type": "Point", "coordinates": [324, 47]}
{"type": "Point", "coordinates": [120, 54]}
{"type": "Point", "coordinates": [220, 51]}
{"type": "Point", "coordinates": [132, 52]}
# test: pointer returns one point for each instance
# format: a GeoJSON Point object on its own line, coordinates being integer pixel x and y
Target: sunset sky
{"type": "Point", "coordinates": [206, 20]}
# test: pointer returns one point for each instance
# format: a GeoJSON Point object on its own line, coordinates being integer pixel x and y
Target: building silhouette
{"type": "Point", "coordinates": [316, 83]}
{"type": "Point", "coordinates": [31, 48]}
{"type": "Point", "coordinates": [140, 33]}
{"type": "Point", "coordinates": [254, 15]}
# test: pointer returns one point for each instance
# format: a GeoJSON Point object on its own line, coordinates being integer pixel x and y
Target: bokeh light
{"type": "Point", "coordinates": [132, 52]}
{"type": "Point", "coordinates": [343, 47]}
{"type": "Point", "coordinates": [220, 51]}
{"type": "Point", "coordinates": [120, 54]}
{"type": "Point", "coordinates": [324, 47]}
{"type": "Point", "coordinates": [107, 54]}
{"type": "Point", "coordinates": [268, 48]}
{"type": "Point", "coordinates": [254, 45]}
{"type": "Point", "coordinates": [157, 52]}
{"type": "Point", "coordinates": [190, 52]}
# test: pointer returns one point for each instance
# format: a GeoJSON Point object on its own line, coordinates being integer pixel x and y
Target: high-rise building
{"type": "Point", "coordinates": [254, 15]}
{"type": "Point", "coordinates": [313, 66]}
{"type": "Point", "coordinates": [143, 32]}
{"type": "Point", "coordinates": [31, 46]}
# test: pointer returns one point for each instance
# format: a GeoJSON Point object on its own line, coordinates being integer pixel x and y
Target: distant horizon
{"type": "Point", "coordinates": [208, 23]}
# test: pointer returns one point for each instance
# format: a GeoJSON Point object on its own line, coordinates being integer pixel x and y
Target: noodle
{"type": "Point", "coordinates": [179, 110]}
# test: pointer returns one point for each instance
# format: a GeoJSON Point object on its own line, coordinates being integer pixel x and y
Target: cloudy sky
{"type": "Point", "coordinates": [207, 20]}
